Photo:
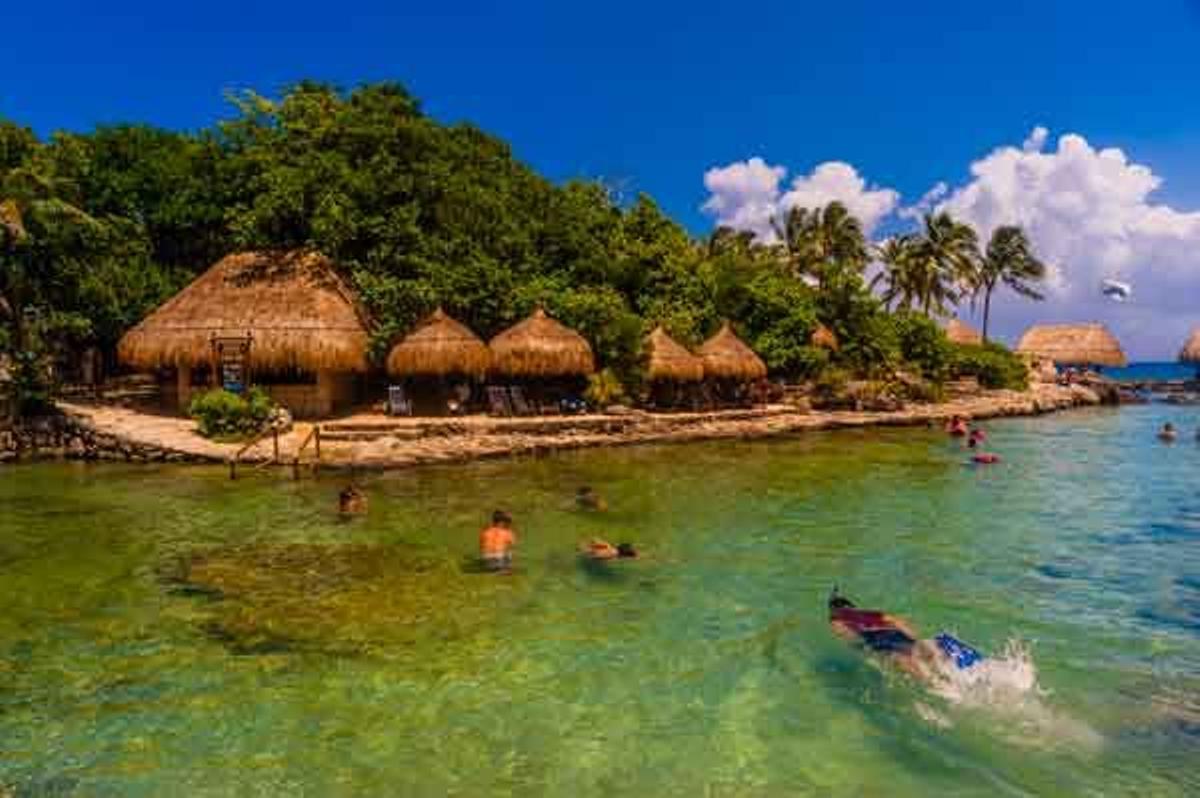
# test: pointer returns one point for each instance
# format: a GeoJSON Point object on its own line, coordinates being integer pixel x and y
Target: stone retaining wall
{"type": "Point", "coordinates": [66, 436]}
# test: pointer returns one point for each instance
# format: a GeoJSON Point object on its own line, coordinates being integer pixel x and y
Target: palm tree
{"type": "Point", "coordinates": [946, 256]}
{"type": "Point", "coordinates": [819, 241]}
{"type": "Point", "coordinates": [1009, 260]}
{"type": "Point", "coordinates": [897, 276]}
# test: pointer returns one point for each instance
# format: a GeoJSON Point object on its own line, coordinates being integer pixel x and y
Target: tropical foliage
{"type": "Point", "coordinates": [97, 228]}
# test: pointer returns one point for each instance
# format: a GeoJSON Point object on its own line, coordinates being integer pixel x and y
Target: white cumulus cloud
{"type": "Point", "coordinates": [1090, 215]}
{"type": "Point", "coordinates": [745, 195]}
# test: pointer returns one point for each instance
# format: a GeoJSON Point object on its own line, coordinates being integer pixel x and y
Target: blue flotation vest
{"type": "Point", "coordinates": [963, 655]}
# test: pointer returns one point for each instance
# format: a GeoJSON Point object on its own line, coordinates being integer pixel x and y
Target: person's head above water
{"type": "Point", "coordinates": [501, 518]}
{"type": "Point", "coordinates": [1168, 427]}
{"type": "Point", "coordinates": [626, 550]}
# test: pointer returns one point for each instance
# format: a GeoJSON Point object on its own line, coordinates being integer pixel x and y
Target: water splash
{"type": "Point", "coordinates": [1004, 691]}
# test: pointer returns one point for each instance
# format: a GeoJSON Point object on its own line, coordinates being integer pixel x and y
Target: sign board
{"type": "Point", "coordinates": [232, 355]}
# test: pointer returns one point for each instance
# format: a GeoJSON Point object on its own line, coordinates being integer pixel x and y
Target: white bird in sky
{"type": "Point", "coordinates": [1116, 290]}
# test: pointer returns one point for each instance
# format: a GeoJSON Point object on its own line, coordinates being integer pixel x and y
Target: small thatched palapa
{"type": "Point", "coordinates": [1073, 344]}
{"type": "Point", "coordinates": [726, 357]}
{"type": "Point", "coordinates": [541, 347]}
{"type": "Point", "coordinates": [668, 360]}
{"type": "Point", "coordinates": [440, 347]}
{"type": "Point", "coordinates": [299, 312]}
{"type": "Point", "coordinates": [1191, 348]}
{"type": "Point", "coordinates": [824, 338]}
{"type": "Point", "coordinates": [959, 332]}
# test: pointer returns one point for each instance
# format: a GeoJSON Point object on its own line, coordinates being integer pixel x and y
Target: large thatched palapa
{"type": "Point", "coordinates": [440, 347]}
{"type": "Point", "coordinates": [959, 332]}
{"type": "Point", "coordinates": [1073, 344]}
{"type": "Point", "coordinates": [1190, 353]}
{"type": "Point", "coordinates": [668, 361]}
{"type": "Point", "coordinates": [540, 347]}
{"type": "Point", "coordinates": [727, 357]}
{"type": "Point", "coordinates": [302, 319]}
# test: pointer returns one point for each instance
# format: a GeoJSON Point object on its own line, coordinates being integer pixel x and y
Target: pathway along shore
{"type": "Point", "coordinates": [374, 441]}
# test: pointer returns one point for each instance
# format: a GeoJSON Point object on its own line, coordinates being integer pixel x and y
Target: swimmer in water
{"type": "Point", "coordinates": [1168, 434]}
{"type": "Point", "coordinates": [975, 443]}
{"type": "Point", "coordinates": [957, 427]}
{"type": "Point", "coordinates": [894, 638]}
{"type": "Point", "coordinates": [597, 549]}
{"type": "Point", "coordinates": [587, 499]}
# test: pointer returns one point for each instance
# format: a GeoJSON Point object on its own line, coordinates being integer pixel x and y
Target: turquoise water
{"type": "Point", "coordinates": [1153, 371]}
{"type": "Point", "coordinates": [165, 631]}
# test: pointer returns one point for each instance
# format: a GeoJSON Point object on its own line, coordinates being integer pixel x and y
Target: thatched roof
{"type": "Point", "coordinates": [726, 356]}
{"type": "Point", "coordinates": [1191, 348]}
{"type": "Point", "coordinates": [299, 312]}
{"type": "Point", "coordinates": [667, 359]}
{"type": "Point", "coordinates": [1073, 344]}
{"type": "Point", "coordinates": [438, 347]}
{"type": "Point", "coordinates": [959, 332]}
{"type": "Point", "coordinates": [541, 347]}
{"type": "Point", "coordinates": [824, 338]}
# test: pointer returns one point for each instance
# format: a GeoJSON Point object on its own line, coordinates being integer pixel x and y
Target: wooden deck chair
{"type": "Point", "coordinates": [498, 402]}
{"type": "Point", "coordinates": [519, 403]}
{"type": "Point", "coordinates": [398, 403]}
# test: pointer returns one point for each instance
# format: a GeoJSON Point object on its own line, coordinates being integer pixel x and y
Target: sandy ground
{"type": "Point", "coordinates": [376, 441]}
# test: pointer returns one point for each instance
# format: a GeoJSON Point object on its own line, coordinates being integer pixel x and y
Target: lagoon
{"type": "Point", "coordinates": [165, 630]}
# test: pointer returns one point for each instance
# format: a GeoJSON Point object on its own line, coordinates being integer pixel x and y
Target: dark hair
{"type": "Point", "coordinates": [626, 550]}
{"type": "Point", "coordinates": [501, 518]}
{"type": "Point", "coordinates": [837, 601]}
{"type": "Point", "coordinates": [584, 490]}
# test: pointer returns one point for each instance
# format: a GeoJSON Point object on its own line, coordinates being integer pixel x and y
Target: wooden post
{"type": "Point", "coordinates": [233, 468]}
{"type": "Point", "coordinates": [275, 443]}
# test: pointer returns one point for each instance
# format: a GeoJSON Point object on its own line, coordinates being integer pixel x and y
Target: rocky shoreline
{"type": "Point", "coordinates": [101, 433]}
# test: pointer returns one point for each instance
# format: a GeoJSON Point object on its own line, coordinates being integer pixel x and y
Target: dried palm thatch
{"type": "Point", "coordinates": [959, 332]}
{"type": "Point", "coordinates": [667, 360]}
{"type": "Point", "coordinates": [726, 357]}
{"type": "Point", "coordinates": [439, 347]}
{"type": "Point", "coordinates": [11, 222]}
{"type": "Point", "coordinates": [824, 338]}
{"type": "Point", "coordinates": [1191, 348]}
{"type": "Point", "coordinates": [539, 346]}
{"type": "Point", "coordinates": [1073, 344]}
{"type": "Point", "coordinates": [299, 312]}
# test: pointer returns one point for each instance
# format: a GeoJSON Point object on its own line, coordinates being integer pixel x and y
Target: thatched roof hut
{"type": "Point", "coordinates": [539, 346]}
{"type": "Point", "coordinates": [299, 312]}
{"type": "Point", "coordinates": [726, 356]}
{"type": "Point", "coordinates": [1191, 348]}
{"type": "Point", "coordinates": [824, 338]}
{"type": "Point", "coordinates": [959, 332]}
{"type": "Point", "coordinates": [1073, 344]}
{"type": "Point", "coordinates": [438, 347]}
{"type": "Point", "coordinates": [668, 360]}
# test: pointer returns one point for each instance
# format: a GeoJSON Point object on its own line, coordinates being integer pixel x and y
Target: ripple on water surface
{"type": "Point", "coordinates": [164, 630]}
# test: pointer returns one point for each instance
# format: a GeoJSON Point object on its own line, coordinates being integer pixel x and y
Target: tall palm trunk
{"type": "Point", "coordinates": [987, 306]}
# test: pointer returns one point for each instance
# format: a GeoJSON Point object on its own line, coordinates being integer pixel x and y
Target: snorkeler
{"type": "Point", "coordinates": [1167, 434]}
{"type": "Point", "coordinates": [597, 549]}
{"type": "Point", "coordinates": [587, 499]}
{"type": "Point", "coordinates": [892, 636]}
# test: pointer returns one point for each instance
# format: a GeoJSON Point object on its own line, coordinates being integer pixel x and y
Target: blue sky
{"type": "Point", "coordinates": [655, 94]}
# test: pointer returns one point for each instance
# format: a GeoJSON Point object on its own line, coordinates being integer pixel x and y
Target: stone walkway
{"type": "Point", "coordinates": [376, 441]}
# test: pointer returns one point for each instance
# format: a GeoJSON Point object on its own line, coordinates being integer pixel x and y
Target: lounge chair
{"type": "Point", "coordinates": [398, 403]}
{"type": "Point", "coordinates": [498, 401]}
{"type": "Point", "coordinates": [520, 404]}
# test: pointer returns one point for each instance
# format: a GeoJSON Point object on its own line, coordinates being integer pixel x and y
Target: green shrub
{"type": "Point", "coordinates": [604, 389]}
{"type": "Point", "coordinates": [992, 364]}
{"type": "Point", "coordinates": [221, 414]}
{"type": "Point", "coordinates": [924, 345]}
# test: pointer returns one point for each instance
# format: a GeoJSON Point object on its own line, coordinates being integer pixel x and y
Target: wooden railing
{"type": "Point", "coordinates": [313, 437]}
{"type": "Point", "coordinates": [257, 439]}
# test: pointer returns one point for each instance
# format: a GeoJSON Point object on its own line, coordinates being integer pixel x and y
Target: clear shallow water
{"type": "Point", "coordinates": [367, 658]}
